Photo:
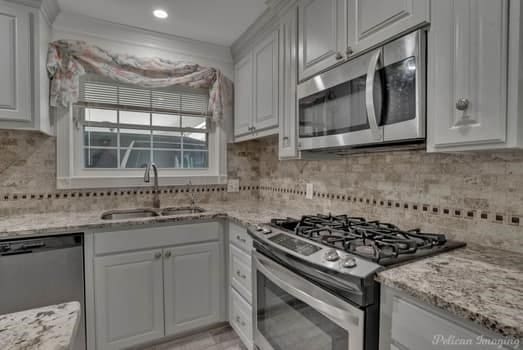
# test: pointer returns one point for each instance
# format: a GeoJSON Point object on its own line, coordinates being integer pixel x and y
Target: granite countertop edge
{"type": "Point", "coordinates": [243, 213]}
{"type": "Point", "coordinates": [51, 327]}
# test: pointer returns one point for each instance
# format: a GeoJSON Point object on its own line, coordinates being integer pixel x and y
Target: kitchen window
{"type": "Point", "coordinates": [117, 129]}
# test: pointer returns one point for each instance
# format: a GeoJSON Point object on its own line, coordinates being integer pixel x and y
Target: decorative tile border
{"type": "Point", "coordinates": [464, 213]}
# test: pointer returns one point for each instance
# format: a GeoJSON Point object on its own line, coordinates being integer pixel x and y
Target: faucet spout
{"type": "Point", "coordinates": [147, 179]}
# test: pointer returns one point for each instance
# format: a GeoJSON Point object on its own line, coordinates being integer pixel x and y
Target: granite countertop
{"type": "Point", "coordinates": [479, 284]}
{"type": "Point", "coordinates": [485, 286]}
{"type": "Point", "coordinates": [46, 328]}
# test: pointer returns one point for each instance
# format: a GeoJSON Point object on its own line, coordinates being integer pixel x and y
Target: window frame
{"type": "Point", "coordinates": [72, 174]}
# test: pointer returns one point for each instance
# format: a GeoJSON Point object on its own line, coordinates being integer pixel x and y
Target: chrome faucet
{"type": "Point", "coordinates": [192, 196]}
{"type": "Point", "coordinates": [147, 179]}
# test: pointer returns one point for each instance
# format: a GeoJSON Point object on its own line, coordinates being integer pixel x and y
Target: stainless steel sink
{"type": "Point", "coordinates": [129, 214]}
{"type": "Point", "coordinates": [182, 211]}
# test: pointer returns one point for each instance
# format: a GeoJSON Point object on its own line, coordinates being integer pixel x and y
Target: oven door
{"type": "Point", "coordinates": [292, 313]}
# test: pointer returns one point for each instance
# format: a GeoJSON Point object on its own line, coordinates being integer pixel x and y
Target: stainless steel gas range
{"type": "Point", "coordinates": [314, 279]}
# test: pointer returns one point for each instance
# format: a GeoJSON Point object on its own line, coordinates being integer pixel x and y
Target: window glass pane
{"type": "Point", "coordinates": [132, 138]}
{"type": "Point", "coordinates": [194, 122]}
{"type": "Point", "coordinates": [194, 140]}
{"type": "Point", "coordinates": [168, 120]}
{"type": "Point", "coordinates": [167, 139]}
{"type": "Point", "coordinates": [195, 159]}
{"type": "Point", "coordinates": [102, 137]}
{"type": "Point", "coordinates": [138, 118]}
{"type": "Point", "coordinates": [100, 115]}
{"type": "Point", "coordinates": [167, 159]}
{"type": "Point", "coordinates": [134, 158]}
{"type": "Point", "coordinates": [100, 158]}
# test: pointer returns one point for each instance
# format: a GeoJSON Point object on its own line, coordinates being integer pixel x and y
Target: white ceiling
{"type": "Point", "coordinates": [215, 21]}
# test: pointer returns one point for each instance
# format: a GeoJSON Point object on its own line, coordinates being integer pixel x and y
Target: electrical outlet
{"type": "Point", "coordinates": [309, 191]}
{"type": "Point", "coordinates": [233, 185]}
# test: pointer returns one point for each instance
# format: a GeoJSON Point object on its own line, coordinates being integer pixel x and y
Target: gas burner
{"type": "Point", "coordinates": [381, 242]}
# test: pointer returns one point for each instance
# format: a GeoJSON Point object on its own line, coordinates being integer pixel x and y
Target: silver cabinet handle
{"type": "Point", "coordinates": [157, 255]}
{"type": "Point", "coordinates": [369, 95]}
{"type": "Point", "coordinates": [168, 254]}
{"type": "Point", "coordinates": [349, 51]}
{"type": "Point", "coordinates": [462, 104]}
{"type": "Point", "coordinates": [243, 240]}
{"type": "Point", "coordinates": [339, 56]}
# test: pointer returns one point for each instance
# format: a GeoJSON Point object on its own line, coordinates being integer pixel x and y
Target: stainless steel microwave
{"type": "Point", "coordinates": [376, 98]}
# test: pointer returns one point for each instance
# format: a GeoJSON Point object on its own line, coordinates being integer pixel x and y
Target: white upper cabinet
{"type": "Point", "coordinates": [243, 96]}
{"type": "Point", "coordinates": [24, 85]}
{"type": "Point", "coordinates": [15, 78]}
{"type": "Point", "coordinates": [377, 21]}
{"type": "Point", "coordinates": [322, 35]}
{"type": "Point", "coordinates": [256, 90]}
{"type": "Point", "coordinates": [265, 104]}
{"type": "Point", "coordinates": [288, 80]}
{"type": "Point", "coordinates": [469, 106]}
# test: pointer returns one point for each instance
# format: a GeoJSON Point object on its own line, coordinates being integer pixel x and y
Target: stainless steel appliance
{"type": "Point", "coordinates": [314, 279]}
{"type": "Point", "coordinates": [376, 98]}
{"type": "Point", "coordinates": [43, 271]}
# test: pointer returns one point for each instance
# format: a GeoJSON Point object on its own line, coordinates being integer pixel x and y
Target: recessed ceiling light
{"type": "Point", "coordinates": [159, 13]}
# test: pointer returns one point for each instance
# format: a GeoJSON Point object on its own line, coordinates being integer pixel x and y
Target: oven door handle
{"type": "Point", "coordinates": [369, 96]}
{"type": "Point", "coordinates": [342, 313]}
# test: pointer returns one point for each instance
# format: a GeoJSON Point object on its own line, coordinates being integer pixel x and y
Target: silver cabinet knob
{"type": "Point", "coordinates": [462, 104]}
{"type": "Point", "coordinates": [157, 255]}
{"type": "Point", "coordinates": [339, 56]}
{"type": "Point", "coordinates": [241, 239]}
{"type": "Point", "coordinates": [349, 51]}
{"type": "Point", "coordinates": [240, 274]}
{"type": "Point", "coordinates": [168, 254]}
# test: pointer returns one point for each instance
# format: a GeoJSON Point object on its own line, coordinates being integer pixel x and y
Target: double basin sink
{"type": "Point", "coordinates": [149, 213]}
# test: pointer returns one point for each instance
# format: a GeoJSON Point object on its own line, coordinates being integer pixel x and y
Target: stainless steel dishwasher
{"type": "Point", "coordinates": [43, 271]}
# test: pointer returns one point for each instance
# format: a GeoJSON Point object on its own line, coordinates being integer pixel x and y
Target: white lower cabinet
{"type": "Point", "coordinates": [156, 282]}
{"type": "Point", "coordinates": [407, 324]}
{"type": "Point", "coordinates": [241, 315]}
{"type": "Point", "coordinates": [192, 287]}
{"type": "Point", "coordinates": [129, 299]}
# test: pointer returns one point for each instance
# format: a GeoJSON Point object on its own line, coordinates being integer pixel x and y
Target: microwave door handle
{"type": "Point", "coordinates": [369, 95]}
{"type": "Point", "coordinates": [297, 289]}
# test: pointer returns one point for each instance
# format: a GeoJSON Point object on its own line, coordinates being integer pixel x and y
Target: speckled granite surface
{"type": "Point", "coordinates": [47, 328]}
{"type": "Point", "coordinates": [478, 284]}
{"type": "Point", "coordinates": [485, 286]}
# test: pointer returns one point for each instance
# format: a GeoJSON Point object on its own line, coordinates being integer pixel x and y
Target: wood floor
{"type": "Point", "coordinates": [223, 338]}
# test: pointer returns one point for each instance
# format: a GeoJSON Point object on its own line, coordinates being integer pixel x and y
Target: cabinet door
{"type": "Point", "coordinates": [467, 74]}
{"type": "Point", "coordinates": [288, 81]}
{"type": "Point", "coordinates": [15, 67]}
{"type": "Point", "coordinates": [322, 33]}
{"type": "Point", "coordinates": [128, 299]}
{"type": "Point", "coordinates": [193, 290]}
{"type": "Point", "coordinates": [265, 88]}
{"type": "Point", "coordinates": [243, 77]}
{"type": "Point", "coordinates": [374, 21]}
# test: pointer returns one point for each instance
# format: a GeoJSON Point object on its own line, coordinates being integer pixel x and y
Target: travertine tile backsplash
{"type": "Point", "coordinates": [473, 196]}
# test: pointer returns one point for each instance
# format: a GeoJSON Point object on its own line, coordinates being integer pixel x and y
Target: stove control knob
{"type": "Point", "coordinates": [258, 228]}
{"type": "Point", "coordinates": [266, 231]}
{"type": "Point", "coordinates": [349, 263]}
{"type": "Point", "coordinates": [332, 255]}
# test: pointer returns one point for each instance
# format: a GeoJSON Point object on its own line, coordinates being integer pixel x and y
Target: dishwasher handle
{"type": "Point", "coordinates": [33, 245]}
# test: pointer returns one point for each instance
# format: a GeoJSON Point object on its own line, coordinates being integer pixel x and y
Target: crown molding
{"type": "Point", "coordinates": [82, 26]}
{"type": "Point", "coordinates": [48, 8]}
{"type": "Point", "coordinates": [266, 22]}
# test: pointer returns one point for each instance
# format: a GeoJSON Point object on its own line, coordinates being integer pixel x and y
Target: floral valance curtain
{"type": "Point", "coordinates": [68, 60]}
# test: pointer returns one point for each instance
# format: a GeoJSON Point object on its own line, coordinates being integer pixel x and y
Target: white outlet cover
{"type": "Point", "coordinates": [233, 185]}
{"type": "Point", "coordinates": [309, 191]}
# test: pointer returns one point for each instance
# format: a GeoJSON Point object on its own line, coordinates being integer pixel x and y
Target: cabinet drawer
{"type": "Point", "coordinates": [241, 318]}
{"type": "Point", "coordinates": [241, 273]}
{"type": "Point", "coordinates": [156, 236]}
{"type": "Point", "coordinates": [239, 237]}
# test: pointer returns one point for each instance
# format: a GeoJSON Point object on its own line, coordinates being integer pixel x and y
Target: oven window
{"type": "Point", "coordinates": [289, 324]}
{"type": "Point", "coordinates": [399, 91]}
